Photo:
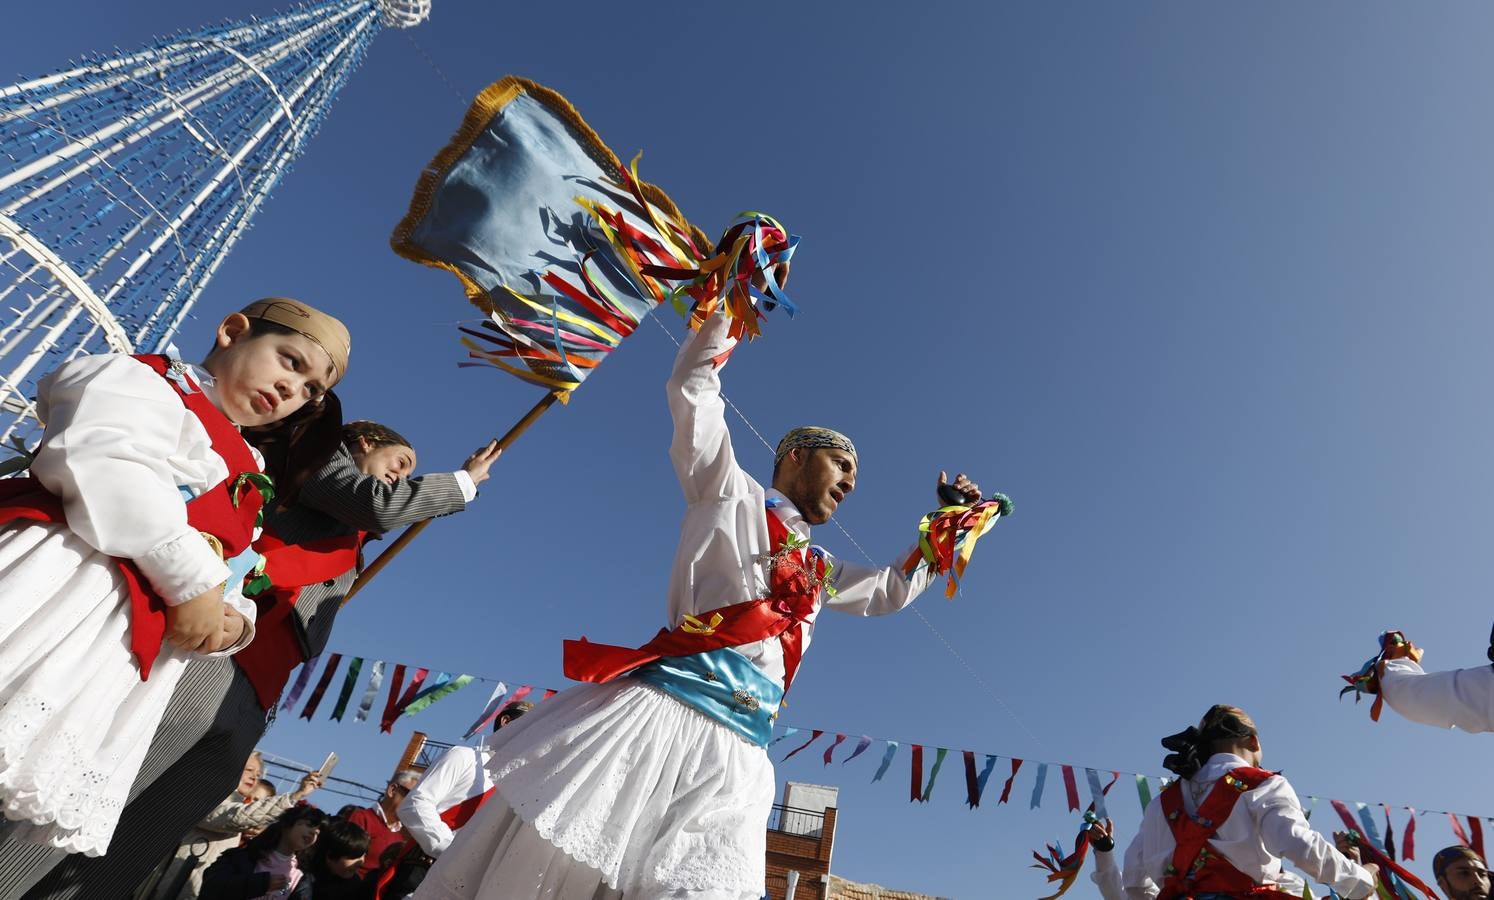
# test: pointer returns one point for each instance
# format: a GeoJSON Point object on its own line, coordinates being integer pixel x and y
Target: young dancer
{"type": "Point", "coordinates": [122, 555]}
{"type": "Point", "coordinates": [1224, 826]}
{"type": "Point", "coordinates": [220, 711]}
{"type": "Point", "coordinates": [657, 784]}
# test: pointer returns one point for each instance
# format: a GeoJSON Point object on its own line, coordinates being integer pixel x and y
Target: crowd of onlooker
{"type": "Point", "coordinates": [260, 844]}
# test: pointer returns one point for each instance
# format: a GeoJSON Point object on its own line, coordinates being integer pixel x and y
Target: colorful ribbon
{"type": "Point", "coordinates": [1143, 792]}
{"type": "Point", "coordinates": [1096, 793]}
{"type": "Point", "coordinates": [1037, 787]}
{"type": "Point", "coordinates": [861, 746]}
{"type": "Point", "coordinates": [366, 702]}
{"type": "Point", "coordinates": [301, 680]}
{"type": "Point", "coordinates": [348, 683]}
{"type": "Point", "coordinates": [438, 692]}
{"type": "Point", "coordinates": [886, 761]}
{"type": "Point", "coordinates": [915, 792]}
{"type": "Point", "coordinates": [489, 712]}
{"type": "Point", "coordinates": [1408, 840]}
{"type": "Point", "coordinates": [1071, 788]}
{"type": "Point", "coordinates": [947, 538]}
{"type": "Point", "coordinates": [396, 703]}
{"type": "Point", "coordinates": [321, 686]}
{"type": "Point", "coordinates": [928, 790]}
{"type": "Point", "coordinates": [1006, 790]}
{"type": "Point", "coordinates": [812, 738]}
{"type": "Point", "coordinates": [830, 750]}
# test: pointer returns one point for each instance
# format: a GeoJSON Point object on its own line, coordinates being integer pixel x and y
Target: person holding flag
{"type": "Point", "coordinates": [652, 780]}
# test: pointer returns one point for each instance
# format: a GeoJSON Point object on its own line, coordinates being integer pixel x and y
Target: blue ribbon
{"type": "Point", "coordinates": [886, 760]}
{"type": "Point", "coordinates": [1037, 789]}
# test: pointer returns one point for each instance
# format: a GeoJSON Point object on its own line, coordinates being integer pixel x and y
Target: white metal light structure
{"type": "Point", "coordinates": [126, 179]}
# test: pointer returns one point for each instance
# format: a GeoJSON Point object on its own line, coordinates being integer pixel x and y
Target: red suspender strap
{"type": "Point", "coordinates": [1194, 867]}
{"type": "Point", "coordinates": [463, 812]}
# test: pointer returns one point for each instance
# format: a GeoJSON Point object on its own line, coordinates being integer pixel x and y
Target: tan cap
{"type": "Point", "coordinates": [330, 334]}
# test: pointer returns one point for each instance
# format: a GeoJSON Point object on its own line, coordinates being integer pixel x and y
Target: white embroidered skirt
{"type": "Point", "coordinates": [75, 718]}
{"type": "Point", "coordinates": [614, 788]}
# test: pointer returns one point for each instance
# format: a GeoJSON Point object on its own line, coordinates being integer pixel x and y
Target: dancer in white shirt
{"type": "Point", "coordinates": [653, 781]}
{"type": "Point", "coordinates": [1223, 828]}
{"type": "Point", "coordinates": [1457, 698]}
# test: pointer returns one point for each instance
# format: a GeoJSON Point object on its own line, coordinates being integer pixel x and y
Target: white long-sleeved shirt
{"type": "Point", "coordinates": [460, 774]}
{"type": "Point", "coordinates": [119, 444]}
{"type": "Point", "coordinates": [1107, 876]}
{"type": "Point", "coordinates": [1460, 698]}
{"type": "Point", "coordinates": [724, 536]}
{"type": "Point", "coordinates": [1265, 827]}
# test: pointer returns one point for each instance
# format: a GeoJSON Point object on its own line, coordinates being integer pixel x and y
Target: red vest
{"type": "Point", "coordinates": [455, 818]}
{"type": "Point", "coordinates": [276, 649]}
{"type": "Point", "coordinates": [1196, 868]}
{"type": "Point", "coordinates": [794, 586]}
{"type": "Point", "coordinates": [227, 511]}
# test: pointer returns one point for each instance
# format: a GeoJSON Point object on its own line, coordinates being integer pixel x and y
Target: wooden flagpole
{"type": "Point", "coordinates": [409, 534]}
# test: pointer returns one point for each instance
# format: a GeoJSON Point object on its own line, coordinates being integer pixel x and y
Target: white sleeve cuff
{"type": "Point", "coordinates": [183, 567]}
{"type": "Point", "coordinates": [464, 481]}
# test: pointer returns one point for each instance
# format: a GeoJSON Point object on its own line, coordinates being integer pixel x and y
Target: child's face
{"type": "Point", "coordinates": [345, 868]}
{"type": "Point", "coordinates": [300, 836]}
{"type": "Point", "coordinates": [264, 378]}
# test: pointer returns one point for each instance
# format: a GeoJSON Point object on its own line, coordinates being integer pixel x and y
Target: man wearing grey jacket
{"type": "Point", "coordinates": [222, 706]}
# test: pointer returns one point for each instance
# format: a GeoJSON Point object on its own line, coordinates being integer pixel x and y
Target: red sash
{"type": "Point", "coordinates": [1196, 868]}
{"type": "Point", "coordinates": [276, 649]}
{"type": "Point", "coordinates": [455, 818]}
{"type": "Point", "coordinates": [794, 586]}
{"type": "Point", "coordinates": [227, 511]}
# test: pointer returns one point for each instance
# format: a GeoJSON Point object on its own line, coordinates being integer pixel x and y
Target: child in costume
{"type": "Point", "coordinates": [657, 784]}
{"type": "Point", "coordinates": [123, 553]}
{"type": "Point", "coordinates": [311, 543]}
{"type": "Point", "coordinates": [1224, 826]}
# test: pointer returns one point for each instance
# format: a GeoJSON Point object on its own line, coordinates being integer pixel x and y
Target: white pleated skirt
{"type": "Point", "coordinates": [75, 718]}
{"type": "Point", "coordinates": [614, 790]}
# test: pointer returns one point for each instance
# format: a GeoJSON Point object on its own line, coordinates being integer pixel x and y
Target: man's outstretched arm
{"type": "Point", "coordinates": [1461, 698]}
{"type": "Point", "coordinates": [701, 449]}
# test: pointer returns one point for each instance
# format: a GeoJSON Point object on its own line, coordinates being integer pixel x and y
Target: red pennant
{"type": "Point", "coordinates": [1006, 791]}
{"type": "Point", "coordinates": [917, 793]}
{"type": "Point", "coordinates": [549, 692]}
{"type": "Point", "coordinates": [404, 699]}
{"type": "Point", "coordinates": [1476, 826]}
{"type": "Point", "coordinates": [812, 738]}
{"type": "Point", "coordinates": [1071, 787]}
{"type": "Point", "coordinates": [972, 782]}
{"type": "Point", "coordinates": [391, 707]}
{"type": "Point", "coordinates": [321, 686]}
{"type": "Point", "coordinates": [1457, 828]}
{"type": "Point", "coordinates": [830, 750]}
{"type": "Point", "coordinates": [1408, 841]}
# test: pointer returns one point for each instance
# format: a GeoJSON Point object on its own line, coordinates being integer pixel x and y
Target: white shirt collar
{"type": "Point", "coordinates": [788, 513]}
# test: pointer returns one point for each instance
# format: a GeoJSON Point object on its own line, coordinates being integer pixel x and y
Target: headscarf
{"type": "Point", "coordinates": [812, 437]}
{"type": "Point", "coordinates": [1449, 855]}
{"type": "Point", "coordinates": [326, 331]}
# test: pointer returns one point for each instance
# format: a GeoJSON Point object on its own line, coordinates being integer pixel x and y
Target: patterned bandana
{"type": "Point", "coordinates": [812, 437]}
{"type": "Point", "coordinates": [329, 334]}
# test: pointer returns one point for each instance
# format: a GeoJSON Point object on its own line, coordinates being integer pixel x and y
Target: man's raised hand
{"type": "Point", "coordinates": [963, 488]}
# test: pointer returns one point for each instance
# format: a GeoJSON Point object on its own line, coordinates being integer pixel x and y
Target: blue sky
{"type": "Point", "coordinates": [1201, 286]}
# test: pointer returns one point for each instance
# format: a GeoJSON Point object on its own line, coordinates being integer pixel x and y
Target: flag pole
{"type": "Point", "coordinates": [409, 534]}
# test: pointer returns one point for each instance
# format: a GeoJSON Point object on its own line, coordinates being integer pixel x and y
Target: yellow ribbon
{"type": "Point", "coordinates": [693, 625]}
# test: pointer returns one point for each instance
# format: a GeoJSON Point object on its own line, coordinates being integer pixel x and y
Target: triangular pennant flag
{"type": "Point", "coordinates": [321, 686]}
{"type": "Point", "coordinates": [812, 738]}
{"type": "Point", "coordinates": [524, 691]}
{"type": "Point", "coordinates": [366, 702]}
{"type": "Point", "coordinates": [1408, 840]}
{"type": "Point", "coordinates": [928, 790]}
{"type": "Point", "coordinates": [886, 760]}
{"type": "Point", "coordinates": [1476, 829]}
{"type": "Point", "coordinates": [1143, 792]}
{"type": "Point", "coordinates": [549, 692]}
{"type": "Point", "coordinates": [1071, 788]}
{"type": "Point", "coordinates": [915, 792]}
{"type": "Point", "coordinates": [1096, 793]}
{"type": "Point", "coordinates": [788, 731]}
{"type": "Point", "coordinates": [830, 750]}
{"type": "Point", "coordinates": [439, 692]}
{"type": "Point", "coordinates": [1006, 790]}
{"type": "Point", "coordinates": [295, 692]}
{"type": "Point", "coordinates": [346, 693]}
{"type": "Point", "coordinates": [391, 706]}
{"type": "Point", "coordinates": [972, 781]}
{"type": "Point", "coordinates": [861, 746]}
{"type": "Point", "coordinates": [1037, 788]}
{"type": "Point", "coordinates": [489, 711]}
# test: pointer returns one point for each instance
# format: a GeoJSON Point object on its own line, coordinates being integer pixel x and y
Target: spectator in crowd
{"type": "Point", "coordinates": [335, 861]}
{"type": "Point", "coordinates": [180, 878]}
{"type": "Point", "coordinates": [267, 868]}
{"type": "Point", "coordinates": [264, 790]}
{"type": "Point", "coordinates": [382, 820]}
{"type": "Point", "coordinates": [1461, 873]}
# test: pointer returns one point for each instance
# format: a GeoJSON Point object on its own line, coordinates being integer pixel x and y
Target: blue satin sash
{"type": "Point", "coordinates": [722, 684]}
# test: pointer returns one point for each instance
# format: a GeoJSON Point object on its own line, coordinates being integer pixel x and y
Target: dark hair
{"type": "Point", "coordinates": [375, 434]}
{"type": "Point", "coordinates": [296, 447]}
{"type": "Point", "coordinates": [512, 711]}
{"type": "Point", "coordinates": [1191, 747]}
{"type": "Point", "coordinates": [262, 844]}
{"type": "Point", "coordinates": [339, 839]}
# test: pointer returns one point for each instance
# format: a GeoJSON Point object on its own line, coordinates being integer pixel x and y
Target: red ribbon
{"type": "Point", "coordinates": [812, 738]}
{"type": "Point", "coordinates": [830, 750]}
{"type": "Point", "coordinates": [1071, 787]}
{"type": "Point", "coordinates": [917, 791]}
{"type": "Point", "coordinates": [321, 686]}
{"type": "Point", "coordinates": [1006, 791]}
{"type": "Point", "coordinates": [390, 714]}
{"type": "Point", "coordinates": [391, 707]}
{"type": "Point", "coordinates": [972, 783]}
{"type": "Point", "coordinates": [1408, 840]}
